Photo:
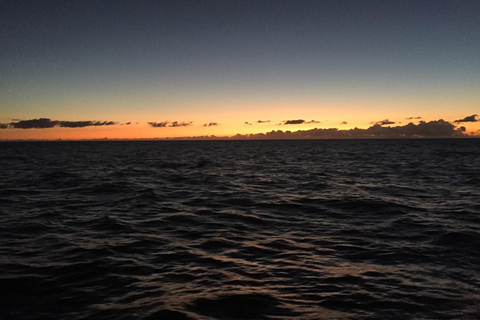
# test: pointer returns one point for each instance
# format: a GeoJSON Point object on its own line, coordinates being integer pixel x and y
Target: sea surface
{"type": "Point", "coordinates": [325, 229]}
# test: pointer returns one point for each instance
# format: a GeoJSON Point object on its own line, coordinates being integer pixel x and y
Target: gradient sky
{"type": "Point", "coordinates": [232, 62]}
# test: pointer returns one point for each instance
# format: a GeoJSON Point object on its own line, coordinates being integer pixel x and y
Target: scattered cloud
{"type": "Point", "coordinates": [41, 123]}
{"type": "Point", "coordinates": [211, 124]}
{"type": "Point", "coordinates": [248, 123]}
{"type": "Point", "coordinates": [128, 123]}
{"type": "Point", "coordinates": [164, 124]}
{"type": "Point", "coordinates": [81, 124]}
{"type": "Point", "coordinates": [432, 129]}
{"type": "Point", "coordinates": [471, 118]}
{"type": "Point", "coordinates": [158, 124]}
{"type": "Point", "coordinates": [344, 122]}
{"type": "Point", "coordinates": [299, 121]}
{"type": "Point", "coordinates": [383, 122]}
{"type": "Point", "coordinates": [180, 124]}
{"type": "Point", "coordinates": [263, 121]}
{"type": "Point", "coordinates": [413, 118]}
{"type": "Point", "coordinates": [45, 123]}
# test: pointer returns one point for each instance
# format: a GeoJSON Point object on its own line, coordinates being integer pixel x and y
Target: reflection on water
{"type": "Point", "coordinates": [240, 230]}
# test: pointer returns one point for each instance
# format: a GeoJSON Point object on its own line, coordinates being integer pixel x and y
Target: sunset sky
{"type": "Point", "coordinates": [192, 68]}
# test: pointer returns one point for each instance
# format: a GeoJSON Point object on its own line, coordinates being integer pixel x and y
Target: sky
{"type": "Point", "coordinates": [147, 69]}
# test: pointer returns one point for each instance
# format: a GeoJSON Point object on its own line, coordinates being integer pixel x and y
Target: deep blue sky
{"type": "Point", "coordinates": [218, 60]}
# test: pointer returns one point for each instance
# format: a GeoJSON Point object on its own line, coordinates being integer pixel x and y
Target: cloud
{"type": "Point", "coordinates": [413, 118]}
{"type": "Point", "coordinates": [299, 121]}
{"type": "Point", "coordinates": [211, 124]}
{"type": "Point", "coordinates": [438, 128]}
{"type": "Point", "coordinates": [432, 129]}
{"type": "Point", "coordinates": [41, 123]}
{"type": "Point", "coordinates": [45, 123]}
{"type": "Point", "coordinates": [164, 124]}
{"type": "Point", "coordinates": [247, 123]}
{"type": "Point", "coordinates": [383, 122]}
{"type": "Point", "coordinates": [128, 123]}
{"type": "Point", "coordinates": [81, 124]}
{"type": "Point", "coordinates": [180, 124]}
{"type": "Point", "coordinates": [263, 121]}
{"type": "Point", "coordinates": [158, 124]}
{"type": "Point", "coordinates": [344, 122]}
{"type": "Point", "coordinates": [471, 118]}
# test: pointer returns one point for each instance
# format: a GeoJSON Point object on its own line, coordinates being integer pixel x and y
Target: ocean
{"type": "Point", "coordinates": [309, 229]}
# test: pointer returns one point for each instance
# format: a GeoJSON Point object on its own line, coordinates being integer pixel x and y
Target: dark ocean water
{"type": "Point", "coordinates": [359, 229]}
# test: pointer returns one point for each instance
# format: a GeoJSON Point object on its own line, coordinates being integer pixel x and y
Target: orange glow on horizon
{"type": "Point", "coordinates": [145, 131]}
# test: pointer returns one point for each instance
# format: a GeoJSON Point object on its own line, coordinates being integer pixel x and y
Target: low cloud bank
{"type": "Point", "coordinates": [45, 123]}
{"type": "Point", "coordinates": [432, 129]}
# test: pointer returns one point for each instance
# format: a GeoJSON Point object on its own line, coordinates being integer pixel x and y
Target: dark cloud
{"type": "Point", "coordinates": [263, 121]}
{"type": "Point", "coordinates": [413, 118]}
{"type": "Point", "coordinates": [344, 122]}
{"type": "Point", "coordinates": [432, 129]}
{"type": "Point", "coordinates": [45, 123]}
{"type": "Point", "coordinates": [438, 128]}
{"type": "Point", "coordinates": [170, 124]}
{"type": "Point", "coordinates": [180, 124]}
{"type": "Point", "coordinates": [41, 123]}
{"type": "Point", "coordinates": [128, 123]}
{"type": "Point", "coordinates": [81, 124]}
{"type": "Point", "coordinates": [211, 124]}
{"type": "Point", "coordinates": [299, 121]}
{"type": "Point", "coordinates": [74, 124]}
{"type": "Point", "coordinates": [248, 123]}
{"type": "Point", "coordinates": [471, 118]}
{"type": "Point", "coordinates": [158, 124]}
{"type": "Point", "coordinates": [383, 122]}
